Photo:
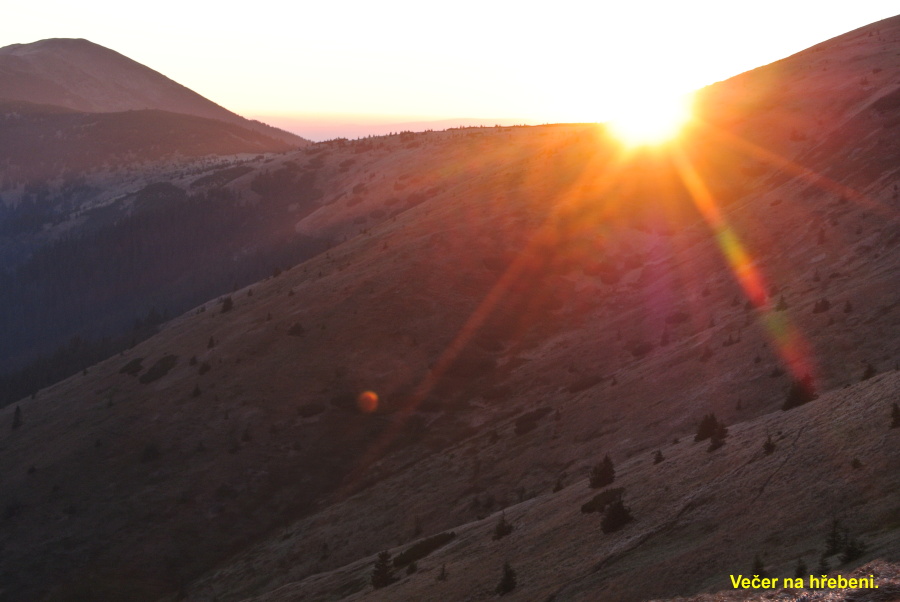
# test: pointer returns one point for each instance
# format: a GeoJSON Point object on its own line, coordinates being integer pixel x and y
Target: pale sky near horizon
{"type": "Point", "coordinates": [411, 60]}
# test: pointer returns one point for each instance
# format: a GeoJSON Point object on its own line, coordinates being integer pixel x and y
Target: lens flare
{"type": "Point", "coordinates": [367, 402]}
{"type": "Point", "coordinates": [790, 344]}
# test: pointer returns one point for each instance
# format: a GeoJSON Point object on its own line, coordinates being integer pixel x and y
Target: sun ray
{"type": "Point", "coordinates": [789, 343]}
{"type": "Point", "coordinates": [802, 172]}
{"type": "Point", "coordinates": [599, 178]}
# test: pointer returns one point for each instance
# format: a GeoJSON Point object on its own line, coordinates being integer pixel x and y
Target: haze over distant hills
{"type": "Point", "coordinates": [525, 301]}
{"type": "Point", "coordinates": [327, 127]}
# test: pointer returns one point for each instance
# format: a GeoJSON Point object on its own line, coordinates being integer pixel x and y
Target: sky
{"type": "Point", "coordinates": [398, 61]}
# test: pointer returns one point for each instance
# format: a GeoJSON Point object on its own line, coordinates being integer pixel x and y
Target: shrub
{"type": "Point", "coordinates": [296, 330]}
{"type": "Point", "coordinates": [801, 571]}
{"type": "Point", "coordinates": [227, 304]}
{"type": "Point", "coordinates": [895, 416]}
{"type": "Point", "coordinates": [853, 548]}
{"type": "Point", "coordinates": [769, 445]}
{"type": "Point", "coordinates": [528, 422]}
{"type": "Point", "coordinates": [839, 541]}
{"type": "Point", "coordinates": [759, 568]}
{"type": "Point", "coordinates": [17, 418]}
{"type": "Point", "coordinates": [151, 452]}
{"type": "Point", "coordinates": [584, 384]}
{"type": "Point", "coordinates": [641, 348]}
{"type": "Point", "coordinates": [869, 372]}
{"type": "Point", "coordinates": [159, 369]}
{"type": "Point", "coordinates": [821, 306]}
{"type": "Point", "coordinates": [658, 457]}
{"type": "Point", "coordinates": [11, 509]}
{"type": "Point", "coordinates": [382, 573]}
{"type": "Point", "coordinates": [503, 528]}
{"type": "Point", "coordinates": [311, 409]}
{"type": "Point", "coordinates": [599, 502]}
{"type": "Point", "coordinates": [602, 474]}
{"type": "Point", "coordinates": [800, 392]}
{"type": "Point", "coordinates": [717, 439]}
{"type": "Point", "coordinates": [707, 427]}
{"type": "Point", "coordinates": [133, 367]}
{"type": "Point", "coordinates": [678, 317]}
{"type": "Point", "coordinates": [423, 548]}
{"type": "Point", "coordinates": [837, 536]}
{"type": "Point", "coordinates": [507, 581]}
{"type": "Point", "coordinates": [616, 516]}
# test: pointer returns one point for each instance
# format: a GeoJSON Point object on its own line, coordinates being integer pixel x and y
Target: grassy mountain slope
{"type": "Point", "coordinates": [524, 301]}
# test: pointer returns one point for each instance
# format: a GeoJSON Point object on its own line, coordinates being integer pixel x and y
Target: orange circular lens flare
{"type": "Point", "coordinates": [367, 401]}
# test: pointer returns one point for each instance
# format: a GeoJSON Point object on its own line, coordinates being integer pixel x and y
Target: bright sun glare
{"type": "Point", "coordinates": [652, 119]}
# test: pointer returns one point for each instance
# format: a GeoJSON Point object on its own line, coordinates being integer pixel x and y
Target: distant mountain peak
{"type": "Point", "coordinates": [84, 76]}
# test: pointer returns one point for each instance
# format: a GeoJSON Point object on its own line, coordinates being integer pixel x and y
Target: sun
{"type": "Point", "coordinates": [650, 119]}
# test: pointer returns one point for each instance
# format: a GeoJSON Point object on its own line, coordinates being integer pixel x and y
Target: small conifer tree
{"type": "Point", "coordinates": [836, 538]}
{"type": "Point", "coordinates": [602, 474]}
{"type": "Point", "coordinates": [383, 572]}
{"type": "Point", "coordinates": [895, 416]}
{"type": "Point", "coordinates": [769, 445]}
{"type": "Point", "coordinates": [17, 417]}
{"type": "Point", "coordinates": [759, 568]}
{"type": "Point", "coordinates": [853, 548]}
{"type": "Point", "coordinates": [801, 569]}
{"type": "Point", "coordinates": [507, 581]}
